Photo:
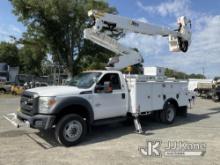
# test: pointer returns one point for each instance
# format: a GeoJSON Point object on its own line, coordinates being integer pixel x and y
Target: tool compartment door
{"type": "Point", "coordinates": [144, 96]}
{"type": "Point", "coordinates": [158, 95]}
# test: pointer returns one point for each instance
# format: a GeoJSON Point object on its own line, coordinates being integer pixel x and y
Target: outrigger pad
{"type": "Point", "coordinates": [138, 128]}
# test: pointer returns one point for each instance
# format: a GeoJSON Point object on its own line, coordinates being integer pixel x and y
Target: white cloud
{"type": "Point", "coordinates": [171, 7]}
{"type": "Point", "coordinates": [7, 31]}
{"type": "Point", "coordinates": [142, 19]}
{"type": "Point", "coordinates": [147, 45]}
{"type": "Point", "coordinates": [15, 29]}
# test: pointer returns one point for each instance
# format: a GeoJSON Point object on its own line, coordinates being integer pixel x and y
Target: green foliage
{"type": "Point", "coordinates": [9, 53]}
{"type": "Point", "coordinates": [29, 57]}
{"type": "Point", "coordinates": [30, 60]}
{"type": "Point", "coordinates": [199, 76]}
{"type": "Point", "coordinates": [181, 75]}
{"type": "Point", "coordinates": [32, 54]}
{"type": "Point", "coordinates": [134, 69]}
{"type": "Point", "coordinates": [93, 56]}
{"type": "Point", "coordinates": [60, 24]}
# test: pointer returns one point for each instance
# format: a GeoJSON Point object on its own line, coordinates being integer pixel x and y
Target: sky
{"type": "Point", "coordinates": [204, 51]}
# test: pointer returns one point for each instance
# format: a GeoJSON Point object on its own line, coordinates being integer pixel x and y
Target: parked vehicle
{"type": "Point", "coordinates": [107, 96]}
{"type": "Point", "coordinates": [216, 94]}
{"type": "Point", "coordinates": [98, 97]}
{"type": "Point", "coordinates": [5, 87]}
{"type": "Point", "coordinates": [216, 89]}
{"type": "Point", "coordinates": [17, 89]}
{"type": "Point", "coordinates": [8, 72]}
{"type": "Point", "coordinates": [204, 89]}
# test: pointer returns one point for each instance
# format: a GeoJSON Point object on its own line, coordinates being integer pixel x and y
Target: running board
{"type": "Point", "coordinates": [109, 120]}
{"type": "Point", "coordinates": [137, 125]}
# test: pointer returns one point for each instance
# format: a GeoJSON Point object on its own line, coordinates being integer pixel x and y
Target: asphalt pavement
{"type": "Point", "coordinates": [117, 143]}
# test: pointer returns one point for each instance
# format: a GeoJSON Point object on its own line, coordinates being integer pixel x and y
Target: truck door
{"type": "Point", "coordinates": [109, 104]}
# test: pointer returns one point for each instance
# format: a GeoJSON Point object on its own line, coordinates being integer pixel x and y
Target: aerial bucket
{"type": "Point", "coordinates": [173, 44]}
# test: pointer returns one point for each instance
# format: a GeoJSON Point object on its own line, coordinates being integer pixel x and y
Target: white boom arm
{"type": "Point", "coordinates": [127, 56]}
{"type": "Point", "coordinates": [104, 24]}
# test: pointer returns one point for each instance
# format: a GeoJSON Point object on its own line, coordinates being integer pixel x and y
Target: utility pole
{"type": "Point", "coordinates": [203, 71]}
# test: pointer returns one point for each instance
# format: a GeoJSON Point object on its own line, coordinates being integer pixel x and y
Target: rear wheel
{"type": "Point", "coordinates": [168, 114]}
{"type": "Point", "coordinates": [70, 130]}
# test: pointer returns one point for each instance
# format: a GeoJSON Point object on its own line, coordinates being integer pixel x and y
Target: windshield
{"type": "Point", "coordinates": [84, 80]}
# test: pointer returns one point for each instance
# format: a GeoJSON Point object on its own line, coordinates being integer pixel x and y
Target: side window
{"type": "Point", "coordinates": [114, 80]}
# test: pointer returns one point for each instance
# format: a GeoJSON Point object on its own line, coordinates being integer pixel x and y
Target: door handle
{"type": "Point", "coordinates": [123, 95]}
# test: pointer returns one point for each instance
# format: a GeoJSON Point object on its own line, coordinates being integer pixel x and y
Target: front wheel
{"type": "Point", "coordinates": [70, 130]}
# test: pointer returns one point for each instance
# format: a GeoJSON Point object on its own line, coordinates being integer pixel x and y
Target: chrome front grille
{"type": "Point", "coordinates": [28, 103]}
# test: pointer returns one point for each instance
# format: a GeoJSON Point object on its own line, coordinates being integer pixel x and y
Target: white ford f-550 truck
{"type": "Point", "coordinates": [106, 96]}
{"type": "Point", "coordinates": [97, 97]}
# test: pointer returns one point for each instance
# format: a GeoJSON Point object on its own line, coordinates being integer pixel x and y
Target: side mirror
{"type": "Point", "coordinates": [98, 88]}
{"type": "Point", "coordinates": [107, 87]}
{"type": "Point", "coordinates": [94, 79]}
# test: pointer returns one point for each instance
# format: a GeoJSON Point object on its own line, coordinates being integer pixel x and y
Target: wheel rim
{"type": "Point", "coordinates": [170, 114]}
{"type": "Point", "coordinates": [72, 130]}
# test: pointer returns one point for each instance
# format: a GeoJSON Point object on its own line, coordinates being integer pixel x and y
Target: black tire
{"type": "Point", "coordinates": [63, 132]}
{"type": "Point", "coordinates": [168, 115]}
{"type": "Point", "coordinates": [2, 91]}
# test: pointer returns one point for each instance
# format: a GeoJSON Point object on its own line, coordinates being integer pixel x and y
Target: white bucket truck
{"type": "Point", "coordinates": [107, 96]}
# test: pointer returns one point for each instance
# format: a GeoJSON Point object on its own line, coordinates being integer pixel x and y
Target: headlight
{"type": "Point", "coordinates": [45, 104]}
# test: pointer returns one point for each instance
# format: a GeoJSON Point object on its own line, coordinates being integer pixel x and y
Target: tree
{"type": "Point", "coordinates": [181, 75]}
{"type": "Point", "coordinates": [60, 23]}
{"type": "Point", "coordinates": [93, 56]}
{"type": "Point", "coordinates": [31, 58]}
{"type": "Point", "coordinates": [9, 53]}
{"type": "Point", "coordinates": [199, 76]}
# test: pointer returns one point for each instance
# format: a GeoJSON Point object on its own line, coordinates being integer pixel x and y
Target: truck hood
{"type": "Point", "coordinates": [56, 90]}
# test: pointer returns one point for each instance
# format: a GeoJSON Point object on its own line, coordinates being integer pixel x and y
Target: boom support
{"type": "Point", "coordinates": [104, 25]}
{"type": "Point", "coordinates": [127, 56]}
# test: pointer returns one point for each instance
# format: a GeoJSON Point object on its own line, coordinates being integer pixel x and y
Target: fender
{"type": "Point", "coordinates": [71, 101]}
{"type": "Point", "coordinates": [170, 100]}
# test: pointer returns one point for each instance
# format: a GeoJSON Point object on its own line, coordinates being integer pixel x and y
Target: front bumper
{"type": "Point", "coordinates": [38, 121]}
